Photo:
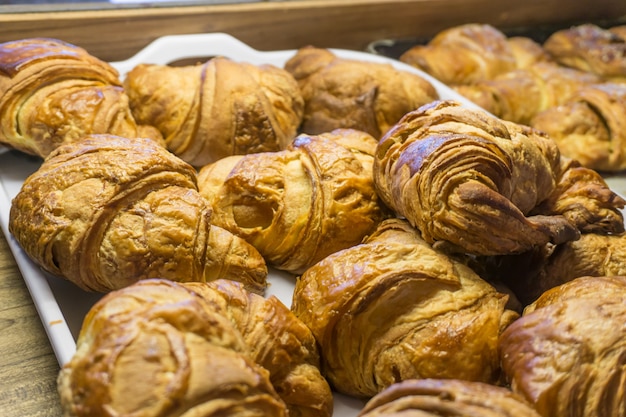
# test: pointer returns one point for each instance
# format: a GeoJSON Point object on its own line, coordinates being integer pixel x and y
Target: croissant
{"type": "Point", "coordinates": [519, 95]}
{"type": "Point", "coordinates": [53, 92]}
{"type": "Point", "coordinates": [446, 397]}
{"type": "Point", "coordinates": [532, 273]}
{"type": "Point", "coordinates": [107, 211]}
{"type": "Point", "coordinates": [278, 341]}
{"type": "Point", "coordinates": [156, 348]}
{"type": "Point", "coordinates": [349, 93]}
{"type": "Point", "coordinates": [619, 30]}
{"type": "Point", "coordinates": [590, 48]}
{"type": "Point", "coordinates": [565, 355]}
{"type": "Point", "coordinates": [298, 205]}
{"type": "Point", "coordinates": [527, 52]}
{"type": "Point", "coordinates": [463, 54]}
{"type": "Point", "coordinates": [590, 126]}
{"type": "Point", "coordinates": [216, 109]}
{"type": "Point", "coordinates": [474, 183]}
{"type": "Point", "coordinates": [393, 308]}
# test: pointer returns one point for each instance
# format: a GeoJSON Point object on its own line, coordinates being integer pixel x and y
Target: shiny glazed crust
{"type": "Point", "coordinates": [446, 398]}
{"type": "Point", "coordinates": [393, 308]}
{"type": "Point", "coordinates": [590, 126]}
{"type": "Point", "coordinates": [346, 93]}
{"type": "Point", "coordinates": [532, 273]}
{"type": "Point", "coordinates": [53, 92]}
{"type": "Point", "coordinates": [299, 205]}
{"type": "Point", "coordinates": [278, 341]}
{"type": "Point", "coordinates": [156, 348]}
{"type": "Point", "coordinates": [590, 48]}
{"type": "Point", "coordinates": [566, 353]}
{"type": "Point", "coordinates": [463, 54]}
{"type": "Point", "coordinates": [518, 95]}
{"type": "Point", "coordinates": [480, 184]}
{"type": "Point", "coordinates": [220, 108]}
{"type": "Point", "coordinates": [107, 211]}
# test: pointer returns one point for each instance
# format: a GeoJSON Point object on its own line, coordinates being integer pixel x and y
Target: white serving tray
{"type": "Point", "coordinates": [60, 304]}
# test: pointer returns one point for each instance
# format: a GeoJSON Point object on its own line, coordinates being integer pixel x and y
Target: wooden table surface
{"type": "Point", "coordinates": [28, 366]}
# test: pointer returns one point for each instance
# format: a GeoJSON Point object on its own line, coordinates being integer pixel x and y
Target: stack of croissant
{"type": "Point", "coordinates": [572, 86]}
{"type": "Point", "coordinates": [438, 252]}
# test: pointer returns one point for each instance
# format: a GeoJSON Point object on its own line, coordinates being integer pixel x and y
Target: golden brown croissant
{"type": "Point", "coordinates": [463, 54]}
{"type": "Point", "coordinates": [53, 92]}
{"type": "Point", "coordinates": [278, 341]}
{"type": "Point", "coordinates": [520, 94]}
{"type": "Point", "coordinates": [393, 308]}
{"type": "Point", "coordinates": [590, 126]}
{"type": "Point", "coordinates": [527, 51]}
{"type": "Point", "coordinates": [348, 93]}
{"type": "Point", "coordinates": [447, 398]}
{"type": "Point", "coordinates": [532, 273]}
{"type": "Point", "coordinates": [158, 349]}
{"type": "Point", "coordinates": [588, 47]}
{"type": "Point", "coordinates": [619, 30]}
{"type": "Point", "coordinates": [475, 183]}
{"type": "Point", "coordinates": [298, 205]}
{"type": "Point", "coordinates": [220, 108]}
{"type": "Point", "coordinates": [107, 211]}
{"type": "Point", "coordinates": [566, 353]}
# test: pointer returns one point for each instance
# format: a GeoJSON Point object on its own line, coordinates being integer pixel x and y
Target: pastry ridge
{"type": "Point", "coordinates": [156, 348]}
{"type": "Point", "coordinates": [107, 211]}
{"type": "Point", "coordinates": [298, 205]}
{"type": "Point", "coordinates": [567, 350]}
{"type": "Point", "coordinates": [479, 184]}
{"type": "Point", "coordinates": [53, 92]}
{"type": "Point", "coordinates": [378, 311]}
{"type": "Point", "coordinates": [217, 108]}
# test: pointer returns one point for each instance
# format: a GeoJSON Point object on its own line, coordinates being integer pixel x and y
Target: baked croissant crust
{"type": "Point", "coordinates": [518, 95]}
{"type": "Point", "coordinates": [107, 211]}
{"type": "Point", "coordinates": [532, 273]}
{"type": "Point", "coordinates": [463, 54]}
{"type": "Point", "coordinates": [348, 93]}
{"type": "Point", "coordinates": [446, 398]}
{"type": "Point", "coordinates": [566, 353]}
{"type": "Point", "coordinates": [590, 126]}
{"type": "Point", "coordinates": [216, 109]}
{"type": "Point", "coordinates": [278, 341]}
{"type": "Point", "coordinates": [393, 308]}
{"type": "Point", "coordinates": [158, 349]}
{"type": "Point", "coordinates": [590, 48]}
{"type": "Point", "coordinates": [619, 30]}
{"type": "Point", "coordinates": [298, 205]}
{"type": "Point", "coordinates": [53, 92]}
{"type": "Point", "coordinates": [527, 52]}
{"type": "Point", "coordinates": [475, 183]}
